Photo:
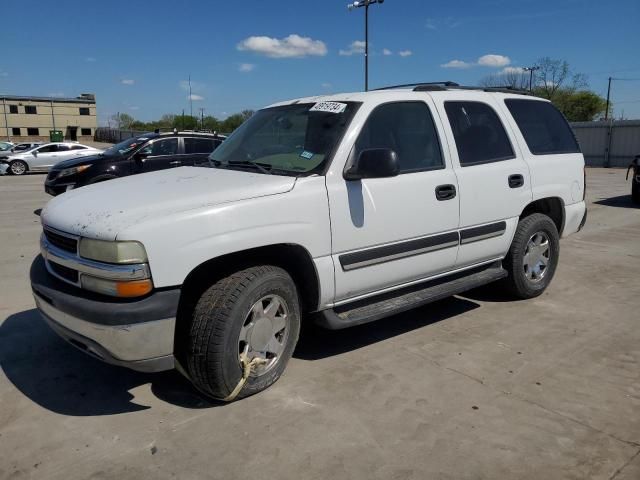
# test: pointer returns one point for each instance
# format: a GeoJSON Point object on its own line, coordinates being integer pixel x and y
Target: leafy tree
{"type": "Point", "coordinates": [247, 114]}
{"type": "Point", "coordinates": [122, 121]}
{"type": "Point", "coordinates": [232, 122]}
{"type": "Point", "coordinates": [579, 106]}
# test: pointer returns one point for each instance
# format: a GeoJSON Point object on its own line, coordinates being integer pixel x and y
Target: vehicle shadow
{"type": "Point", "coordinates": [62, 379]}
{"type": "Point", "coordinates": [621, 201]}
{"type": "Point", "coordinates": [316, 343]}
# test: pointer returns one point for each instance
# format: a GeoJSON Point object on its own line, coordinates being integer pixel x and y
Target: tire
{"type": "Point", "coordinates": [224, 315]}
{"type": "Point", "coordinates": [635, 192]}
{"type": "Point", "coordinates": [526, 276]}
{"type": "Point", "coordinates": [18, 167]}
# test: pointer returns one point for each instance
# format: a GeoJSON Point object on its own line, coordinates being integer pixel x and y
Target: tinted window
{"type": "Point", "coordinates": [199, 145]}
{"type": "Point", "coordinates": [78, 147]}
{"type": "Point", "coordinates": [31, 109]}
{"type": "Point", "coordinates": [408, 129]}
{"type": "Point", "coordinates": [63, 148]}
{"type": "Point", "coordinates": [48, 149]}
{"type": "Point", "coordinates": [85, 131]}
{"type": "Point", "coordinates": [13, 109]}
{"type": "Point", "coordinates": [479, 134]}
{"type": "Point", "coordinates": [84, 111]}
{"type": "Point", "coordinates": [543, 127]}
{"type": "Point", "coordinates": [164, 147]}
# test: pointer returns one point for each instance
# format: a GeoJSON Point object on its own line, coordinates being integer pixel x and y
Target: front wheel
{"type": "Point", "coordinates": [251, 316]}
{"type": "Point", "coordinates": [18, 167]}
{"type": "Point", "coordinates": [533, 256]}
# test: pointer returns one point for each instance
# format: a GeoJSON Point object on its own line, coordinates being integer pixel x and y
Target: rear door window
{"type": "Point", "coordinates": [479, 133]}
{"type": "Point", "coordinates": [164, 147]}
{"type": "Point", "coordinates": [543, 127]}
{"type": "Point", "coordinates": [198, 145]}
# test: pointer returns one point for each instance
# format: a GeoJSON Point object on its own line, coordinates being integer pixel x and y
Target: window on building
{"type": "Point", "coordinates": [85, 131]}
{"type": "Point", "coordinates": [13, 108]}
{"type": "Point", "coordinates": [15, 132]}
{"type": "Point", "coordinates": [479, 133]}
{"type": "Point", "coordinates": [84, 111]}
{"type": "Point", "coordinates": [198, 145]}
{"type": "Point", "coordinates": [33, 131]}
{"type": "Point", "coordinates": [406, 128]}
{"type": "Point", "coordinates": [30, 109]}
{"type": "Point", "coordinates": [543, 127]}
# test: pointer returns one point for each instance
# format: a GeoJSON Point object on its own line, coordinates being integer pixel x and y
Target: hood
{"type": "Point", "coordinates": [104, 209]}
{"type": "Point", "coordinates": [74, 162]}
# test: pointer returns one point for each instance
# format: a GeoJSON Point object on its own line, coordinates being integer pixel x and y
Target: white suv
{"type": "Point", "coordinates": [340, 210]}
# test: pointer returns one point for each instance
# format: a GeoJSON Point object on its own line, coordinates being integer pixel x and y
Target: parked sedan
{"type": "Point", "coordinates": [6, 146]}
{"type": "Point", "coordinates": [18, 148]}
{"type": "Point", "coordinates": [42, 158]}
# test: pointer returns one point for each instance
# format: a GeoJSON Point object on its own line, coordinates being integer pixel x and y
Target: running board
{"type": "Point", "coordinates": [385, 305]}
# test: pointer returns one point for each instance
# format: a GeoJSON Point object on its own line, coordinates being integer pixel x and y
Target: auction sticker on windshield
{"type": "Point", "coordinates": [329, 107]}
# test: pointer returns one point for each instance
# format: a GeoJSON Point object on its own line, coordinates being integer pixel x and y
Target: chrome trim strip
{"type": "Point", "coordinates": [138, 271]}
{"type": "Point", "coordinates": [408, 284]}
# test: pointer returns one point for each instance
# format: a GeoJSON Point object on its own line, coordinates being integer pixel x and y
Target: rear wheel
{"type": "Point", "coordinates": [18, 167]}
{"type": "Point", "coordinates": [635, 192]}
{"type": "Point", "coordinates": [533, 256]}
{"type": "Point", "coordinates": [250, 316]}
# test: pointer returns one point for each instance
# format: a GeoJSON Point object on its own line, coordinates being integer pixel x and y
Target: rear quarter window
{"type": "Point", "coordinates": [543, 127]}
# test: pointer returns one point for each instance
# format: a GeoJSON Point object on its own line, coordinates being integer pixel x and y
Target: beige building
{"type": "Point", "coordinates": [32, 118]}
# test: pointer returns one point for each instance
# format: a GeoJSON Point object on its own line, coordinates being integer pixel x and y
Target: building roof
{"type": "Point", "coordinates": [84, 98]}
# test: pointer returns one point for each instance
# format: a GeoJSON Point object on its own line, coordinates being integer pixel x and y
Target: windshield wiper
{"type": "Point", "coordinates": [263, 167]}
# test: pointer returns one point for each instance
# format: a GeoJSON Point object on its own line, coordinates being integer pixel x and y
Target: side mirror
{"type": "Point", "coordinates": [34, 153]}
{"type": "Point", "coordinates": [374, 163]}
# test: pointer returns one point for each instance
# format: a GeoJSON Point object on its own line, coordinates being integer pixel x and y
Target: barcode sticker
{"type": "Point", "coordinates": [329, 107]}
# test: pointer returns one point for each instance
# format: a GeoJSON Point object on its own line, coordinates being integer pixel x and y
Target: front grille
{"type": "Point", "coordinates": [63, 243]}
{"type": "Point", "coordinates": [67, 273]}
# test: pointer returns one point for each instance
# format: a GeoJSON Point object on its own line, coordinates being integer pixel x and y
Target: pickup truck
{"type": "Point", "coordinates": [340, 210]}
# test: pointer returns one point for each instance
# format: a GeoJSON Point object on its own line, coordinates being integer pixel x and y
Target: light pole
{"type": "Point", "coordinates": [365, 4]}
{"type": "Point", "coordinates": [531, 70]}
{"type": "Point", "coordinates": [606, 112]}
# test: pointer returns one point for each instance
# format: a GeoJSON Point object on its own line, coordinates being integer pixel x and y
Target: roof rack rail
{"type": "Point", "coordinates": [448, 85]}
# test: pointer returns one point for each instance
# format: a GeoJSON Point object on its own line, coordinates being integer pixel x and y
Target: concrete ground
{"type": "Point", "coordinates": [473, 387]}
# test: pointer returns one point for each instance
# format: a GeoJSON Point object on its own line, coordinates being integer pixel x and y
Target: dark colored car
{"type": "Point", "coordinates": [635, 179]}
{"type": "Point", "coordinates": [146, 153]}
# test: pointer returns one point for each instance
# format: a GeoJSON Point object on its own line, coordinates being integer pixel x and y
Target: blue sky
{"type": "Point", "coordinates": [135, 55]}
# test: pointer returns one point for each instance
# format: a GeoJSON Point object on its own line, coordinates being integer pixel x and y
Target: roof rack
{"type": "Point", "coordinates": [448, 85]}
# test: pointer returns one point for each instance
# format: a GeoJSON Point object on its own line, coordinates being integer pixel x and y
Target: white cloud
{"type": "Point", "coordinates": [387, 52]}
{"type": "Point", "coordinates": [90, 59]}
{"type": "Point", "coordinates": [246, 67]}
{"type": "Point", "coordinates": [195, 97]}
{"type": "Point", "coordinates": [356, 48]}
{"type": "Point", "coordinates": [293, 46]}
{"type": "Point", "coordinates": [326, 85]}
{"type": "Point", "coordinates": [492, 60]}
{"type": "Point", "coordinates": [405, 53]}
{"type": "Point", "coordinates": [127, 81]}
{"type": "Point", "coordinates": [507, 70]}
{"type": "Point", "coordinates": [489, 60]}
{"type": "Point", "coordinates": [457, 64]}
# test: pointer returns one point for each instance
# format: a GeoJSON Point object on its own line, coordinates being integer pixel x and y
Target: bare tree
{"type": "Point", "coordinates": [510, 77]}
{"type": "Point", "coordinates": [554, 75]}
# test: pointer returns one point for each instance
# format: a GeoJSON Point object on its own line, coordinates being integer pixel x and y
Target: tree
{"type": "Point", "coordinates": [553, 75]}
{"type": "Point", "coordinates": [247, 114]}
{"type": "Point", "coordinates": [122, 121]}
{"type": "Point", "coordinates": [510, 78]}
{"type": "Point", "coordinates": [232, 122]}
{"type": "Point", "coordinates": [579, 106]}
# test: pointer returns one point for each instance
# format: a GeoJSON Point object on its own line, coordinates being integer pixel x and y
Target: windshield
{"type": "Point", "coordinates": [290, 140]}
{"type": "Point", "coordinates": [126, 146]}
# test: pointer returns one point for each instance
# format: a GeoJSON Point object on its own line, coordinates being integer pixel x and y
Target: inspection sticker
{"type": "Point", "coordinates": [307, 155]}
{"type": "Point", "coordinates": [329, 107]}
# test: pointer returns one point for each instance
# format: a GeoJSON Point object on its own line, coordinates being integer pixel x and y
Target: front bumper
{"type": "Point", "coordinates": [54, 187]}
{"type": "Point", "coordinates": [135, 334]}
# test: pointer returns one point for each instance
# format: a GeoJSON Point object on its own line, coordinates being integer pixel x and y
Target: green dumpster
{"type": "Point", "coordinates": [56, 136]}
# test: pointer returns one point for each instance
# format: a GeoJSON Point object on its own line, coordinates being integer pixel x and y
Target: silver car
{"type": "Point", "coordinates": [42, 158]}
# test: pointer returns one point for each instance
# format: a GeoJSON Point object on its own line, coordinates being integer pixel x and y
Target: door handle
{"type": "Point", "coordinates": [177, 162]}
{"type": "Point", "coordinates": [516, 181]}
{"type": "Point", "coordinates": [445, 192]}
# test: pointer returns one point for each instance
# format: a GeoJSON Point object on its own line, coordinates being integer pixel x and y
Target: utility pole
{"type": "Point", "coordinates": [606, 112]}
{"type": "Point", "coordinates": [6, 123]}
{"type": "Point", "coordinates": [531, 70]}
{"type": "Point", "coordinates": [201, 118]}
{"type": "Point", "coordinates": [53, 117]}
{"type": "Point", "coordinates": [190, 97]}
{"type": "Point", "coordinates": [365, 4]}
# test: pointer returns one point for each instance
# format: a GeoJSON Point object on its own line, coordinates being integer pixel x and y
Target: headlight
{"type": "Point", "coordinates": [112, 252]}
{"type": "Point", "coordinates": [72, 171]}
